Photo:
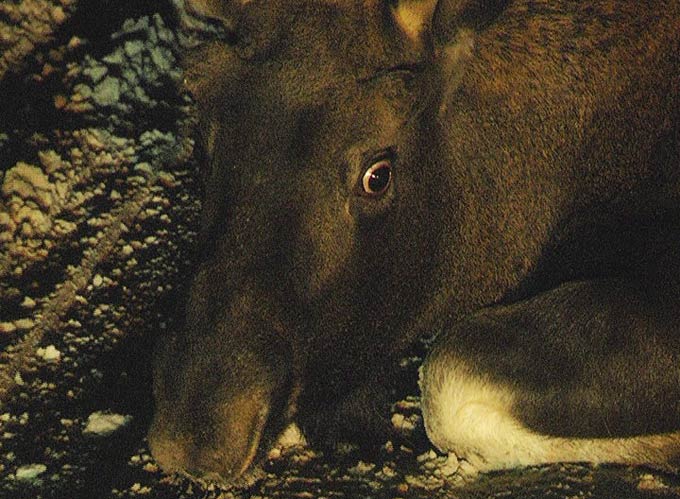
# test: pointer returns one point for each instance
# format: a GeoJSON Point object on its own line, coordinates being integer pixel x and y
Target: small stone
{"type": "Point", "coordinates": [102, 425]}
{"type": "Point", "coordinates": [81, 92]}
{"type": "Point", "coordinates": [144, 168]}
{"type": "Point", "coordinates": [24, 323]}
{"type": "Point", "coordinates": [30, 472]}
{"type": "Point", "coordinates": [7, 327]}
{"type": "Point", "coordinates": [150, 468]}
{"type": "Point", "coordinates": [97, 281]}
{"type": "Point", "coordinates": [115, 59]}
{"type": "Point", "coordinates": [167, 179]}
{"type": "Point", "coordinates": [60, 101]}
{"type": "Point", "coordinates": [28, 182]}
{"type": "Point", "coordinates": [74, 43]}
{"type": "Point", "coordinates": [402, 488]}
{"type": "Point", "coordinates": [28, 302]}
{"type": "Point", "coordinates": [96, 73]}
{"type": "Point", "coordinates": [427, 456]}
{"type": "Point", "coordinates": [649, 482]}
{"type": "Point", "coordinates": [107, 92]}
{"type": "Point", "coordinates": [450, 466]}
{"type": "Point", "coordinates": [58, 15]}
{"type": "Point", "coordinates": [49, 353]}
{"type": "Point", "coordinates": [361, 468]}
{"type": "Point", "coordinates": [133, 48]}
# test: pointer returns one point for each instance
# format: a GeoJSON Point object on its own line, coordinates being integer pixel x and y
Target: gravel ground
{"type": "Point", "coordinates": [99, 202]}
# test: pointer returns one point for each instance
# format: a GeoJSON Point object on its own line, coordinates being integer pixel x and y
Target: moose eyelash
{"type": "Point", "coordinates": [369, 158]}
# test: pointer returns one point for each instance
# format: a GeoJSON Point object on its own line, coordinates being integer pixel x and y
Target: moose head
{"type": "Point", "coordinates": [324, 204]}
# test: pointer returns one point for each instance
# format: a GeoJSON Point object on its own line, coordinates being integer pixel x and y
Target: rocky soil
{"type": "Point", "coordinates": [99, 202]}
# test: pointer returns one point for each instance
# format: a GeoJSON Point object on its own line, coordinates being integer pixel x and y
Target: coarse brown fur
{"type": "Point", "coordinates": [533, 215]}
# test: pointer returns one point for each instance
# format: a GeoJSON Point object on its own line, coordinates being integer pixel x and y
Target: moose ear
{"type": "Point", "coordinates": [414, 16]}
{"type": "Point", "coordinates": [224, 11]}
{"type": "Point", "coordinates": [443, 18]}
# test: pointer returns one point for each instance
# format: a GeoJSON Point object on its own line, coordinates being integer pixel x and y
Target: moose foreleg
{"type": "Point", "coordinates": [589, 371]}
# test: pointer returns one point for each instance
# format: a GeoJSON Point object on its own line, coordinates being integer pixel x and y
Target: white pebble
{"type": "Point", "coordinates": [7, 327]}
{"type": "Point", "coordinates": [30, 472]}
{"type": "Point", "coordinates": [28, 302]}
{"type": "Point", "coordinates": [24, 324]}
{"type": "Point", "coordinates": [49, 353]}
{"type": "Point", "coordinates": [102, 425]}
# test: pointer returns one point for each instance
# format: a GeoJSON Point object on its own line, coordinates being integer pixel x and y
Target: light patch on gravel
{"type": "Point", "coordinates": [30, 472]}
{"type": "Point", "coordinates": [49, 353]}
{"type": "Point", "coordinates": [100, 424]}
{"type": "Point", "coordinates": [290, 438]}
{"type": "Point", "coordinates": [649, 482]}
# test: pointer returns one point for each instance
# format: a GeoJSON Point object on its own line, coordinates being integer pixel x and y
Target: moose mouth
{"type": "Point", "coordinates": [230, 450]}
{"type": "Point", "coordinates": [218, 414]}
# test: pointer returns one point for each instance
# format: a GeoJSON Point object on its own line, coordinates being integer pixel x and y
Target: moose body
{"type": "Point", "coordinates": [505, 172]}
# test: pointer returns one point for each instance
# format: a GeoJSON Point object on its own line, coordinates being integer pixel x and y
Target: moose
{"type": "Point", "coordinates": [503, 172]}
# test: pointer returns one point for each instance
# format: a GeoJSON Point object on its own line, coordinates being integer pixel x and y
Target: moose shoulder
{"type": "Point", "coordinates": [505, 172]}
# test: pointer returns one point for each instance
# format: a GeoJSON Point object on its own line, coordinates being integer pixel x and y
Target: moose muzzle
{"type": "Point", "coordinates": [223, 392]}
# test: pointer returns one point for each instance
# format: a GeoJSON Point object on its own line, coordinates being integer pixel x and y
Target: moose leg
{"type": "Point", "coordinates": [589, 371]}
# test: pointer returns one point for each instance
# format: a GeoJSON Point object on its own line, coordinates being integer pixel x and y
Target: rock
{"type": "Point", "coordinates": [24, 324]}
{"type": "Point", "coordinates": [96, 72]}
{"type": "Point", "coordinates": [107, 92]}
{"type": "Point", "coordinates": [7, 327]}
{"type": "Point", "coordinates": [102, 425]}
{"type": "Point", "coordinates": [49, 353]}
{"type": "Point", "coordinates": [51, 161]}
{"type": "Point", "coordinates": [28, 182]}
{"type": "Point", "coordinates": [133, 48]}
{"type": "Point", "coordinates": [34, 221]}
{"type": "Point", "coordinates": [28, 302]}
{"type": "Point", "coordinates": [144, 168]}
{"type": "Point", "coordinates": [29, 472]}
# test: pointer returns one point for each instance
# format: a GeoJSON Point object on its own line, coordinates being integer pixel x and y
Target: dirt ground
{"type": "Point", "coordinates": [99, 204]}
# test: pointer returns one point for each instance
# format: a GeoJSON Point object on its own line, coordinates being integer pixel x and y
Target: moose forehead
{"type": "Point", "coordinates": [362, 38]}
{"type": "Point", "coordinates": [306, 47]}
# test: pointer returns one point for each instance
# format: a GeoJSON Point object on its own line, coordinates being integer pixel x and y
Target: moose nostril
{"type": "Point", "coordinates": [171, 448]}
{"type": "Point", "coordinates": [169, 454]}
{"type": "Point", "coordinates": [173, 456]}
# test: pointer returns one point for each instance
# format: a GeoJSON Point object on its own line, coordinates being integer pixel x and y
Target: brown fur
{"type": "Point", "coordinates": [534, 143]}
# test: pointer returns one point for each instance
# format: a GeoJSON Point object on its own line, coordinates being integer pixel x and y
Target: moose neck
{"type": "Point", "coordinates": [534, 172]}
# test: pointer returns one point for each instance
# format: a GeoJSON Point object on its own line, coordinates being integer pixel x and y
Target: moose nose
{"type": "Point", "coordinates": [222, 389]}
{"type": "Point", "coordinates": [170, 453]}
{"type": "Point", "coordinates": [221, 449]}
{"type": "Point", "coordinates": [181, 455]}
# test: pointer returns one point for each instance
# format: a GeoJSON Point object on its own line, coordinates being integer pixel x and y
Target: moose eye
{"type": "Point", "coordinates": [377, 178]}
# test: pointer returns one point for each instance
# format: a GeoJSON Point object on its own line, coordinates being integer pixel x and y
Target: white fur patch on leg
{"type": "Point", "coordinates": [473, 418]}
